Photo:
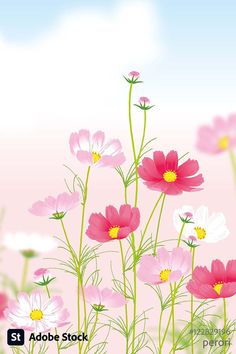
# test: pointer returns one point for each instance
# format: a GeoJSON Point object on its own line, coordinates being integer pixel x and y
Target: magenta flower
{"type": "Point", "coordinates": [220, 282]}
{"type": "Point", "coordinates": [144, 100]}
{"type": "Point", "coordinates": [103, 299]}
{"type": "Point", "coordinates": [114, 225]}
{"type": "Point", "coordinates": [94, 151]}
{"type": "Point", "coordinates": [43, 277]}
{"type": "Point", "coordinates": [164, 174]}
{"type": "Point", "coordinates": [3, 304]}
{"type": "Point", "coordinates": [134, 74]}
{"type": "Point", "coordinates": [55, 208]}
{"type": "Point", "coordinates": [33, 314]}
{"type": "Point", "coordinates": [165, 267]}
{"type": "Point", "coordinates": [219, 137]}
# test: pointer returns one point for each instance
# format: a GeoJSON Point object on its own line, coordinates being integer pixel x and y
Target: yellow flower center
{"type": "Point", "coordinates": [164, 275]}
{"type": "Point", "coordinates": [217, 287]}
{"type": "Point", "coordinates": [201, 233]}
{"type": "Point", "coordinates": [36, 315]}
{"type": "Point", "coordinates": [223, 143]}
{"type": "Point", "coordinates": [96, 157]}
{"type": "Point", "coordinates": [170, 176]}
{"type": "Point", "coordinates": [113, 232]}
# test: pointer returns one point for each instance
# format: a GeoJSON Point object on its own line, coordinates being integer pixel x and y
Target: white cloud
{"type": "Point", "coordinates": [72, 70]}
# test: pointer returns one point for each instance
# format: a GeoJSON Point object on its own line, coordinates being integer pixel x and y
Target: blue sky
{"type": "Point", "coordinates": [196, 66]}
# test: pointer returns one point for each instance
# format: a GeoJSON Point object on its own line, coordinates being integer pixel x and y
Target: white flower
{"type": "Point", "coordinates": [209, 228]}
{"type": "Point", "coordinates": [29, 244]}
{"type": "Point", "coordinates": [31, 313]}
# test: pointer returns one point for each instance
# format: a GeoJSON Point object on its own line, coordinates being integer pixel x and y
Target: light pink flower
{"type": "Point", "coordinates": [33, 314]}
{"type": "Point", "coordinates": [43, 276]}
{"type": "Point", "coordinates": [94, 151]}
{"type": "Point", "coordinates": [219, 137]}
{"type": "Point", "coordinates": [219, 282]}
{"type": "Point", "coordinates": [144, 100]}
{"type": "Point", "coordinates": [134, 74]}
{"type": "Point", "coordinates": [55, 208]}
{"type": "Point", "coordinates": [115, 225]}
{"type": "Point", "coordinates": [3, 304]}
{"type": "Point", "coordinates": [165, 267]}
{"type": "Point", "coordinates": [102, 299]}
{"type": "Point", "coordinates": [165, 174]}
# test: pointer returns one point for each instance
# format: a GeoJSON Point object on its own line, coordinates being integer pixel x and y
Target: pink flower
{"type": "Point", "coordinates": [165, 267]}
{"type": "Point", "coordinates": [134, 74]}
{"type": "Point", "coordinates": [144, 100]}
{"type": "Point", "coordinates": [33, 314]}
{"type": "Point", "coordinates": [114, 225]}
{"type": "Point", "coordinates": [102, 299]}
{"type": "Point", "coordinates": [3, 304]}
{"type": "Point", "coordinates": [94, 151]}
{"type": "Point", "coordinates": [219, 137]}
{"type": "Point", "coordinates": [55, 208]}
{"type": "Point", "coordinates": [220, 282]}
{"type": "Point", "coordinates": [43, 276]}
{"type": "Point", "coordinates": [166, 175]}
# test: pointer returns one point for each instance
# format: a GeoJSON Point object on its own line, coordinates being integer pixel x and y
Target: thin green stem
{"type": "Point", "coordinates": [159, 331]}
{"type": "Point", "coordinates": [192, 306]}
{"type": "Point", "coordinates": [134, 291]}
{"type": "Point", "coordinates": [143, 135]}
{"type": "Point", "coordinates": [225, 324]}
{"type": "Point", "coordinates": [92, 333]}
{"type": "Point", "coordinates": [149, 219]}
{"type": "Point", "coordinates": [125, 295]}
{"type": "Point", "coordinates": [166, 331]}
{"type": "Point", "coordinates": [158, 225]}
{"type": "Point", "coordinates": [24, 273]}
{"type": "Point", "coordinates": [32, 349]}
{"type": "Point", "coordinates": [173, 315]}
{"type": "Point", "coordinates": [80, 283]}
{"type": "Point", "coordinates": [180, 234]}
{"type": "Point", "coordinates": [133, 144]}
{"type": "Point", "coordinates": [233, 162]}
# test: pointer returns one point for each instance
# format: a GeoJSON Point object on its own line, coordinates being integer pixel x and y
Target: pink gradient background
{"type": "Point", "coordinates": [32, 168]}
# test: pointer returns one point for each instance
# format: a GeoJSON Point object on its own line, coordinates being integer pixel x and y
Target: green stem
{"type": "Point", "coordinates": [159, 331]}
{"type": "Point", "coordinates": [149, 219]}
{"type": "Point", "coordinates": [135, 292]}
{"type": "Point", "coordinates": [173, 315]}
{"type": "Point", "coordinates": [180, 234]}
{"type": "Point", "coordinates": [158, 225]}
{"type": "Point", "coordinates": [192, 306]}
{"type": "Point", "coordinates": [49, 296]}
{"type": "Point", "coordinates": [125, 295]}
{"type": "Point", "coordinates": [24, 273]}
{"type": "Point", "coordinates": [143, 135]}
{"type": "Point", "coordinates": [80, 285]}
{"type": "Point", "coordinates": [166, 331]}
{"type": "Point", "coordinates": [32, 349]}
{"type": "Point", "coordinates": [233, 163]}
{"type": "Point", "coordinates": [225, 324]}
{"type": "Point", "coordinates": [133, 144]}
{"type": "Point", "coordinates": [92, 333]}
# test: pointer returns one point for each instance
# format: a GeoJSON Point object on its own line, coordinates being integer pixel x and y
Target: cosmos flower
{"type": "Point", "coordinates": [93, 151]}
{"type": "Point", "coordinates": [165, 267]}
{"type": "Point", "coordinates": [115, 225]}
{"type": "Point", "coordinates": [103, 299]}
{"type": "Point", "coordinates": [219, 137]}
{"type": "Point", "coordinates": [55, 208]}
{"type": "Point", "coordinates": [219, 282]}
{"type": "Point", "coordinates": [204, 227]}
{"type": "Point", "coordinates": [30, 245]}
{"type": "Point", "coordinates": [34, 314]}
{"type": "Point", "coordinates": [43, 277]}
{"type": "Point", "coordinates": [3, 304]}
{"type": "Point", "coordinates": [164, 174]}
